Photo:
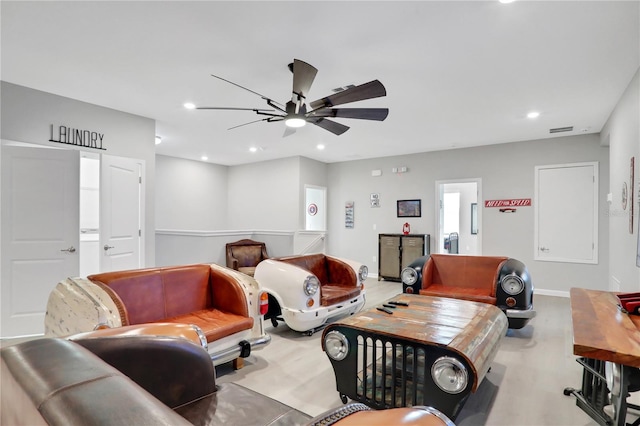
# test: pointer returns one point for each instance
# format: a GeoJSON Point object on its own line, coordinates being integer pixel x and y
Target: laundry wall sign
{"type": "Point", "coordinates": [78, 137]}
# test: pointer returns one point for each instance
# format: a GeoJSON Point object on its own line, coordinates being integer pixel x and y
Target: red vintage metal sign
{"type": "Point", "coordinates": [514, 202]}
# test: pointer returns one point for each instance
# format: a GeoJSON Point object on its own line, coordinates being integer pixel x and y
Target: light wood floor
{"type": "Point", "coordinates": [523, 388]}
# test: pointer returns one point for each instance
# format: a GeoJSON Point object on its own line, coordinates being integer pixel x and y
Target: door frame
{"type": "Point", "coordinates": [439, 204]}
{"type": "Point", "coordinates": [322, 208]}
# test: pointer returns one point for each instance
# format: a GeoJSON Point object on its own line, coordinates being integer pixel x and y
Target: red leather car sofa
{"type": "Point", "coordinates": [223, 303]}
{"type": "Point", "coordinates": [338, 281]}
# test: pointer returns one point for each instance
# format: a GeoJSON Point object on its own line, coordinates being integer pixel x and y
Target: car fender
{"type": "Point", "coordinates": [354, 265]}
{"type": "Point", "coordinates": [284, 282]}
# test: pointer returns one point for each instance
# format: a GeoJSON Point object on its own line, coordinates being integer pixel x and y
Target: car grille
{"type": "Point", "coordinates": [390, 374]}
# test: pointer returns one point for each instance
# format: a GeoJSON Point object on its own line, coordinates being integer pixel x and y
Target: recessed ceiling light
{"type": "Point", "coordinates": [320, 146]}
{"type": "Point", "coordinates": [204, 158]}
{"type": "Point", "coordinates": [158, 140]}
{"type": "Point", "coordinates": [189, 105]}
{"type": "Point", "coordinates": [506, 1]}
{"type": "Point", "coordinates": [533, 114]}
{"type": "Point", "coordinates": [253, 149]}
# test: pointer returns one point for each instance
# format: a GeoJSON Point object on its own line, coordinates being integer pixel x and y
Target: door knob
{"type": "Point", "coordinates": [107, 247]}
{"type": "Point", "coordinates": [71, 249]}
{"type": "Point", "coordinates": [544, 249]}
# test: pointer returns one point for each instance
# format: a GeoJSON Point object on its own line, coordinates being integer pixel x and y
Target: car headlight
{"type": "Point", "coordinates": [363, 272]}
{"type": "Point", "coordinates": [512, 284]}
{"type": "Point", "coordinates": [311, 285]}
{"type": "Point", "coordinates": [449, 374]}
{"type": "Point", "coordinates": [612, 374]}
{"type": "Point", "coordinates": [409, 276]}
{"type": "Point", "coordinates": [336, 345]}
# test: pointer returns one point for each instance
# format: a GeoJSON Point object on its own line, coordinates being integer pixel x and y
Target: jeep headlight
{"type": "Point", "coordinates": [311, 285]}
{"type": "Point", "coordinates": [336, 345]}
{"type": "Point", "coordinates": [449, 374]}
{"type": "Point", "coordinates": [363, 272]}
{"type": "Point", "coordinates": [512, 284]}
{"type": "Point", "coordinates": [409, 276]}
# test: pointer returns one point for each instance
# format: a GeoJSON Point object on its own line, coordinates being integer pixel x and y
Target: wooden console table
{"type": "Point", "coordinates": [601, 333]}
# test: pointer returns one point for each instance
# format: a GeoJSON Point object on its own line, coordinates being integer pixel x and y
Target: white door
{"type": "Point", "coordinates": [121, 213]}
{"type": "Point", "coordinates": [566, 213]}
{"type": "Point", "coordinates": [40, 238]}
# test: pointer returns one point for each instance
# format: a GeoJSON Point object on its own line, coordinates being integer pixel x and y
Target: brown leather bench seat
{"type": "Point", "coordinates": [191, 294]}
{"type": "Point", "coordinates": [462, 277]}
{"type": "Point", "coordinates": [338, 282]}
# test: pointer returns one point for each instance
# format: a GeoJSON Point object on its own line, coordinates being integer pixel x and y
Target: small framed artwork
{"type": "Point", "coordinates": [409, 208]}
{"type": "Point", "coordinates": [474, 218]}
{"type": "Point", "coordinates": [348, 215]}
{"type": "Point", "coordinates": [375, 200]}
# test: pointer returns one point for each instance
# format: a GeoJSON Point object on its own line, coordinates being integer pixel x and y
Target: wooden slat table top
{"type": "Point", "coordinates": [436, 320]}
{"type": "Point", "coordinates": [601, 330]}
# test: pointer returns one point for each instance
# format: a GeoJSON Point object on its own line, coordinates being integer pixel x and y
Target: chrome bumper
{"type": "Point", "coordinates": [521, 313]}
{"type": "Point", "coordinates": [234, 352]}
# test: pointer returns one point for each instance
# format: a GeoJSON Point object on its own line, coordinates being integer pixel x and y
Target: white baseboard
{"type": "Point", "coordinates": [556, 293]}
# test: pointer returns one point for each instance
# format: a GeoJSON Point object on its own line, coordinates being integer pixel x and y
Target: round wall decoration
{"type": "Point", "coordinates": [624, 195]}
{"type": "Point", "coordinates": [313, 209]}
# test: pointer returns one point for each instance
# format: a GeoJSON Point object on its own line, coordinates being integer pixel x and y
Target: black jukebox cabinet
{"type": "Point", "coordinates": [396, 251]}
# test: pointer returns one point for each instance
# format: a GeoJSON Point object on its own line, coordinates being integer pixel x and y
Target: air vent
{"type": "Point", "coordinates": [561, 129]}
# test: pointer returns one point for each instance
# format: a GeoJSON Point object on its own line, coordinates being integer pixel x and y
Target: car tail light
{"type": "Point", "coordinates": [264, 303]}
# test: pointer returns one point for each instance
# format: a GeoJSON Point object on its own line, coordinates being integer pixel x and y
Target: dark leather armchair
{"type": "Point", "coordinates": [150, 380]}
{"type": "Point", "coordinates": [244, 255]}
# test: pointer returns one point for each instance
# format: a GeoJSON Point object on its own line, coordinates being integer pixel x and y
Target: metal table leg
{"type": "Point", "coordinates": [594, 394]}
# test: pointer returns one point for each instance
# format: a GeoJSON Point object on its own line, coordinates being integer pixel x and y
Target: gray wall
{"type": "Point", "coordinates": [506, 170]}
{"type": "Point", "coordinates": [190, 195]}
{"type": "Point", "coordinates": [266, 199]}
{"type": "Point", "coordinates": [265, 195]}
{"type": "Point", "coordinates": [27, 114]}
{"type": "Point", "coordinates": [622, 133]}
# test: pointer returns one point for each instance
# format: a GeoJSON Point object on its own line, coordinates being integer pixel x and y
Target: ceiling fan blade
{"type": "Point", "coordinates": [372, 89]}
{"type": "Point", "coordinates": [332, 126]}
{"type": "Point", "coordinates": [236, 109]}
{"type": "Point", "coordinates": [288, 131]}
{"type": "Point", "coordinates": [303, 76]}
{"type": "Point", "coordinates": [246, 124]}
{"type": "Point", "coordinates": [266, 98]}
{"type": "Point", "coordinates": [378, 114]}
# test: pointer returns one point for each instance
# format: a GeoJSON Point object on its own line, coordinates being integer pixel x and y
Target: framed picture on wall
{"type": "Point", "coordinates": [409, 208]}
{"type": "Point", "coordinates": [348, 214]}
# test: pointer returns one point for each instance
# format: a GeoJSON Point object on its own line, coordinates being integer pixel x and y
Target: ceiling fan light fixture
{"type": "Point", "coordinates": [295, 122]}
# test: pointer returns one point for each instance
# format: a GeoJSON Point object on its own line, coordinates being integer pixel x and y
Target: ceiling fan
{"type": "Point", "coordinates": [296, 114]}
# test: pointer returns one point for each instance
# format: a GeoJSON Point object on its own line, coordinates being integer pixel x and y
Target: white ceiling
{"type": "Point", "coordinates": [457, 74]}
